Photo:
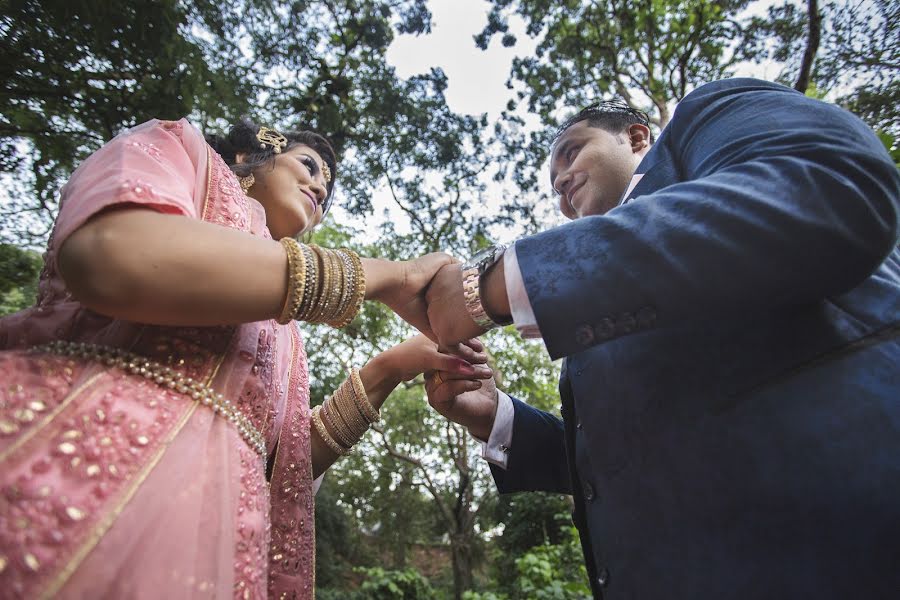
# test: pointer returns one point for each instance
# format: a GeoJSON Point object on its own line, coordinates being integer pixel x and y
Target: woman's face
{"type": "Point", "coordinates": [293, 192]}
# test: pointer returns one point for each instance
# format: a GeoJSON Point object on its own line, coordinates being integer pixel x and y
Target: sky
{"type": "Point", "coordinates": [477, 78]}
{"type": "Point", "coordinates": [476, 84]}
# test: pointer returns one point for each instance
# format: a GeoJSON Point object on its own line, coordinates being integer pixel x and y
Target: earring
{"type": "Point", "coordinates": [247, 182]}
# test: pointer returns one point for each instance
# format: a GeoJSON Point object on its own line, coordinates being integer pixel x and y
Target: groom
{"type": "Point", "coordinates": [727, 300]}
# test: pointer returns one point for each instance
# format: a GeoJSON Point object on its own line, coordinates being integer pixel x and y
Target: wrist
{"type": "Point", "coordinates": [379, 276]}
{"type": "Point", "coordinates": [482, 427]}
{"type": "Point", "coordinates": [494, 298]}
{"type": "Point", "coordinates": [379, 379]}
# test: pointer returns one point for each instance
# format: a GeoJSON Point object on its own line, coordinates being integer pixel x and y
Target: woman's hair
{"type": "Point", "coordinates": [241, 139]}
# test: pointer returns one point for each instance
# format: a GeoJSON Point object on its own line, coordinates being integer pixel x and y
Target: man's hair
{"type": "Point", "coordinates": [612, 115]}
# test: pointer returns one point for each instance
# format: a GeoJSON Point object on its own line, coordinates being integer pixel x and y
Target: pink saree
{"type": "Point", "coordinates": [114, 486]}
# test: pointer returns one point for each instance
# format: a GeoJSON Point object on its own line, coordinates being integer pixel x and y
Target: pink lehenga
{"type": "Point", "coordinates": [117, 478]}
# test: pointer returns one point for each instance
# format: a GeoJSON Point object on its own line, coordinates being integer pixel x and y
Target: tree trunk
{"type": "Point", "coordinates": [812, 46]}
{"type": "Point", "coordinates": [461, 550]}
{"type": "Point", "coordinates": [663, 115]}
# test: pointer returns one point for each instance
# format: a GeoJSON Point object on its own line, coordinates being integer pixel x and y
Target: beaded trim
{"type": "Point", "coordinates": [164, 377]}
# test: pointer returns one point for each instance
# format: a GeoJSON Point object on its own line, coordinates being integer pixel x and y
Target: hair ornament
{"type": "Point", "coordinates": [270, 137]}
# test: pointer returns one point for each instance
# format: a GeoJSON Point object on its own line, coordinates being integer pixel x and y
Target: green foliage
{"type": "Point", "coordinates": [336, 550]}
{"type": "Point", "coordinates": [858, 60]}
{"type": "Point", "coordinates": [19, 270]}
{"type": "Point", "coordinates": [553, 572]}
{"type": "Point", "coordinates": [407, 584]}
{"type": "Point", "coordinates": [470, 595]}
{"type": "Point", "coordinates": [891, 145]}
{"type": "Point", "coordinates": [79, 72]}
{"type": "Point", "coordinates": [529, 520]}
{"type": "Point", "coordinates": [75, 73]}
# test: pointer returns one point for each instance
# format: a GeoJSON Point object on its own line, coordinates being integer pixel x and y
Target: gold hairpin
{"type": "Point", "coordinates": [272, 138]}
{"type": "Point", "coordinates": [326, 172]}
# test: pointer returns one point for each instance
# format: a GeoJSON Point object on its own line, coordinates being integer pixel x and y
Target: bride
{"type": "Point", "coordinates": [156, 439]}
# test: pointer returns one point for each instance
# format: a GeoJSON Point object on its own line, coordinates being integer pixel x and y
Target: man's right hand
{"type": "Point", "coordinates": [472, 404]}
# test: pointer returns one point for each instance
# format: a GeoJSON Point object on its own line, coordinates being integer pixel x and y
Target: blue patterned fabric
{"type": "Point", "coordinates": [731, 393]}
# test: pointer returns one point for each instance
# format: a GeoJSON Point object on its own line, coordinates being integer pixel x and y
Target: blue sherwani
{"type": "Point", "coordinates": [731, 391]}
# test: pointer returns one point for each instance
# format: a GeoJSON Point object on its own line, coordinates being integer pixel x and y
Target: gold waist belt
{"type": "Point", "coordinates": [164, 377]}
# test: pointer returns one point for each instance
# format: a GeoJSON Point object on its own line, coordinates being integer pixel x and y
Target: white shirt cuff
{"type": "Point", "coordinates": [496, 449]}
{"type": "Point", "coordinates": [317, 483]}
{"type": "Point", "coordinates": [519, 305]}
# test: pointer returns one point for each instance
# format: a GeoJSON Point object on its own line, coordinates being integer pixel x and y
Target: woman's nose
{"type": "Point", "coordinates": [320, 191]}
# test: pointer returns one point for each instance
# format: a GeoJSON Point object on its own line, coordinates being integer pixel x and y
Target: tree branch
{"type": "Point", "coordinates": [812, 46]}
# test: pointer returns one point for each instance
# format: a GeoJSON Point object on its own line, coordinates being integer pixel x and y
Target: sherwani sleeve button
{"type": "Point", "coordinates": [606, 328]}
{"type": "Point", "coordinates": [603, 577]}
{"type": "Point", "coordinates": [646, 317]}
{"type": "Point", "coordinates": [626, 323]}
{"type": "Point", "coordinates": [584, 335]}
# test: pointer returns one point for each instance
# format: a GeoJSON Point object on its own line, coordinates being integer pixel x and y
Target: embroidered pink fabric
{"type": "Point", "coordinates": [114, 487]}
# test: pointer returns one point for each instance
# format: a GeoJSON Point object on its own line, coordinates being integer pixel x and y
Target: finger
{"type": "Point", "coordinates": [475, 344]}
{"type": "Point", "coordinates": [439, 361]}
{"type": "Point", "coordinates": [441, 396]}
{"type": "Point", "coordinates": [432, 263]}
{"type": "Point", "coordinates": [466, 353]}
{"type": "Point", "coordinates": [479, 372]}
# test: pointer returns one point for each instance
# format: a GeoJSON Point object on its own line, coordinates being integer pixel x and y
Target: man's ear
{"type": "Point", "coordinates": [639, 137]}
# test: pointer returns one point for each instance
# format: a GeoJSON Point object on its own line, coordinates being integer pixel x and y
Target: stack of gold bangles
{"type": "Point", "coordinates": [324, 286]}
{"type": "Point", "coordinates": [349, 414]}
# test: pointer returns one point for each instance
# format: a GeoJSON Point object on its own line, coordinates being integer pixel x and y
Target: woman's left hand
{"type": "Point", "coordinates": [417, 355]}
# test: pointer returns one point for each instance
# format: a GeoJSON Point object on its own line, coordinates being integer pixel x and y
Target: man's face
{"type": "Point", "coordinates": [590, 168]}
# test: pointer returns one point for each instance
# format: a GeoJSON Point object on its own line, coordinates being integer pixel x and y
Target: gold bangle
{"type": "Point", "coordinates": [312, 308]}
{"type": "Point", "coordinates": [318, 307]}
{"type": "Point", "coordinates": [348, 288]}
{"type": "Point", "coordinates": [358, 277]}
{"type": "Point", "coordinates": [344, 432]}
{"type": "Point", "coordinates": [327, 286]}
{"type": "Point", "coordinates": [296, 280]}
{"type": "Point", "coordinates": [349, 410]}
{"type": "Point", "coordinates": [312, 283]}
{"type": "Point", "coordinates": [362, 399]}
{"type": "Point", "coordinates": [337, 286]}
{"type": "Point", "coordinates": [326, 437]}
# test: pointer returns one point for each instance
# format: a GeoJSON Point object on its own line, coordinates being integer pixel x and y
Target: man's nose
{"type": "Point", "coordinates": [561, 185]}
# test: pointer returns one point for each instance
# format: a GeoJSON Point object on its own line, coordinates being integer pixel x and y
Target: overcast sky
{"type": "Point", "coordinates": [477, 78]}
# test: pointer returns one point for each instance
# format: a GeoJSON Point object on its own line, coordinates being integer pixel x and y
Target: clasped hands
{"type": "Point", "coordinates": [429, 295]}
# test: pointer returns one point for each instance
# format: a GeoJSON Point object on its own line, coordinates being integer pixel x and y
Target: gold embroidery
{"type": "Point", "coordinates": [209, 160]}
{"type": "Point", "coordinates": [279, 445]}
{"type": "Point", "coordinates": [110, 517]}
{"type": "Point", "coordinates": [50, 416]}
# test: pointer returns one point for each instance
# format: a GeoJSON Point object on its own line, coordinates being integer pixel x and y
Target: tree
{"type": "Point", "coordinates": [19, 270]}
{"type": "Point", "coordinates": [75, 73]}
{"type": "Point", "coordinates": [417, 477]}
{"type": "Point", "coordinates": [650, 53]}
{"type": "Point", "coordinates": [858, 58]}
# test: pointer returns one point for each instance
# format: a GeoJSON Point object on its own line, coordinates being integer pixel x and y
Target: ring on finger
{"type": "Point", "coordinates": [436, 378]}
